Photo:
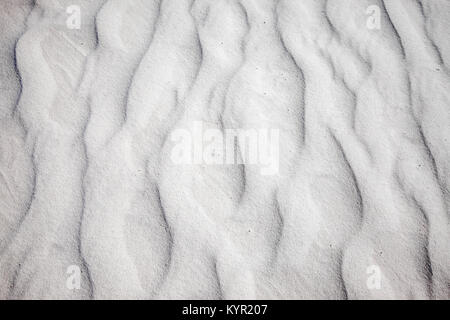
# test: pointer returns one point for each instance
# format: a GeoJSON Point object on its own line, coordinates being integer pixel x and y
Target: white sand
{"type": "Point", "coordinates": [359, 208]}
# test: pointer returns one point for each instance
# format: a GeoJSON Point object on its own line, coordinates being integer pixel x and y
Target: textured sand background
{"type": "Point", "coordinates": [359, 208]}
